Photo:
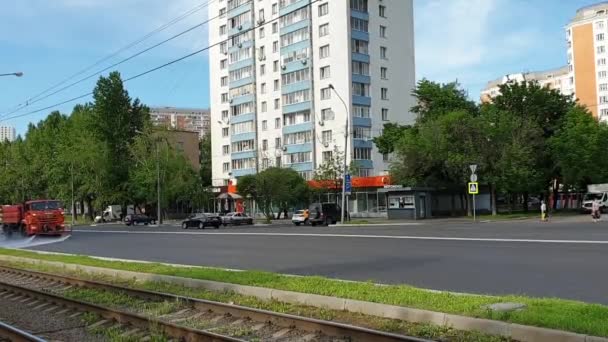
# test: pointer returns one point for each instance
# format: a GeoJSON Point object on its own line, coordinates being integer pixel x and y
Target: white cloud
{"type": "Point", "coordinates": [467, 39]}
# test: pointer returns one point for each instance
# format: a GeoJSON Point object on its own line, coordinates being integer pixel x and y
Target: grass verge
{"type": "Point", "coordinates": [550, 313]}
{"type": "Point", "coordinates": [125, 302]}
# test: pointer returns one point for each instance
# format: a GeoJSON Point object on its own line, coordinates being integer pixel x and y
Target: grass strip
{"type": "Point", "coordinates": [550, 313]}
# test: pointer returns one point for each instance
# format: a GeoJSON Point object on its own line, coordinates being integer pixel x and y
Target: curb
{"type": "Point", "coordinates": [510, 330]}
{"type": "Point", "coordinates": [405, 224]}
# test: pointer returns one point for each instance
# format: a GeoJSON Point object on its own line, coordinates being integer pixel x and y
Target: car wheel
{"type": "Point", "coordinates": [297, 223]}
{"type": "Point", "coordinates": [327, 221]}
{"type": "Point", "coordinates": [313, 224]}
{"type": "Point", "coordinates": [217, 226]}
{"type": "Point", "coordinates": [184, 225]}
{"type": "Point", "coordinates": [251, 222]}
{"type": "Point", "coordinates": [201, 225]}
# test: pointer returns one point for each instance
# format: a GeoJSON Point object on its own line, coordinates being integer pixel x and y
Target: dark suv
{"type": "Point", "coordinates": [134, 219]}
{"type": "Point", "coordinates": [323, 214]}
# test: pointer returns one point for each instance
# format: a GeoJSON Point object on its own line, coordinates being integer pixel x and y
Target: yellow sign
{"type": "Point", "coordinates": [473, 188]}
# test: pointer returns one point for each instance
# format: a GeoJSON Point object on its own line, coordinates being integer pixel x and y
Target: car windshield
{"type": "Point", "coordinates": [46, 205]}
{"type": "Point", "coordinates": [593, 197]}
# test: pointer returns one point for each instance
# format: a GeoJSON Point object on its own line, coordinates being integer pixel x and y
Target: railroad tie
{"type": "Point", "coordinates": [41, 306]}
{"type": "Point", "coordinates": [99, 323]}
{"type": "Point", "coordinates": [281, 333]}
{"type": "Point", "coordinates": [258, 327]}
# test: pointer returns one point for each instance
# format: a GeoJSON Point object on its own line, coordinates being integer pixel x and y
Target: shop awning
{"type": "Point", "coordinates": [229, 195]}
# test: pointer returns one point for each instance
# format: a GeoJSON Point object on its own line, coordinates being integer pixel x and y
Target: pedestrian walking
{"type": "Point", "coordinates": [596, 213]}
{"type": "Point", "coordinates": [543, 211]}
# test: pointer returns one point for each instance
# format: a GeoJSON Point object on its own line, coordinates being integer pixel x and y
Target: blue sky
{"type": "Point", "coordinates": [472, 41]}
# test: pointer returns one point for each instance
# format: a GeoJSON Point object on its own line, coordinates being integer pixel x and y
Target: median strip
{"type": "Point", "coordinates": [399, 302]}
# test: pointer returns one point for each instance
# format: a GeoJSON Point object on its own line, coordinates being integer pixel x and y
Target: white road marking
{"type": "Point", "coordinates": [356, 236]}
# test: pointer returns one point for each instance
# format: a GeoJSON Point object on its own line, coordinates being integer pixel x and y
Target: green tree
{"type": "Point", "coordinates": [579, 147]}
{"type": "Point", "coordinates": [330, 173]}
{"type": "Point", "coordinates": [391, 134]}
{"type": "Point", "coordinates": [435, 99]}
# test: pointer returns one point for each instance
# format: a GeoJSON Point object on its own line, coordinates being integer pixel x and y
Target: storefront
{"type": "Point", "coordinates": [408, 203]}
{"type": "Point", "coordinates": [365, 200]}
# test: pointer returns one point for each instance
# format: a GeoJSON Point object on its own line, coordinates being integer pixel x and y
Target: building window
{"type": "Point", "coordinates": [384, 114]}
{"type": "Point", "coordinates": [226, 167]}
{"type": "Point", "coordinates": [362, 154]}
{"type": "Point", "coordinates": [222, 30]}
{"type": "Point", "coordinates": [359, 24]}
{"type": "Point", "coordinates": [325, 73]}
{"type": "Point", "coordinates": [382, 11]}
{"type": "Point", "coordinates": [599, 25]}
{"type": "Point", "coordinates": [604, 87]}
{"type": "Point", "coordinates": [362, 133]}
{"type": "Point", "coordinates": [326, 137]}
{"type": "Point", "coordinates": [603, 99]}
{"type": "Point", "coordinates": [265, 163]}
{"type": "Point", "coordinates": [277, 103]}
{"type": "Point", "coordinates": [383, 52]}
{"type": "Point", "coordinates": [277, 142]}
{"type": "Point", "coordinates": [385, 157]}
{"type": "Point", "coordinates": [327, 114]}
{"type": "Point", "coordinates": [275, 66]}
{"type": "Point", "coordinates": [326, 156]}
{"type": "Point", "coordinates": [264, 145]}
{"type": "Point", "coordinates": [261, 15]}
{"type": "Point", "coordinates": [275, 27]}
{"type": "Point", "coordinates": [324, 51]}
{"type": "Point", "coordinates": [323, 30]}
{"type": "Point", "coordinates": [325, 93]}
{"type": "Point", "coordinates": [600, 49]}
{"type": "Point", "coordinates": [223, 64]}
{"type": "Point", "coordinates": [276, 85]}
{"type": "Point", "coordinates": [263, 88]}
{"type": "Point", "coordinates": [264, 107]}
{"type": "Point", "coordinates": [225, 98]}
{"type": "Point", "coordinates": [323, 9]}
{"type": "Point", "coordinates": [604, 112]}
{"type": "Point", "coordinates": [224, 115]}
{"type": "Point", "coordinates": [222, 12]}
{"type": "Point", "coordinates": [601, 62]}
{"type": "Point", "coordinates": [262, 69]}
{"type": "Point", "coordinates": [360, 46]}
{"type": "Point", "coordinates": [277, 123]}
{"type": "Point", "coordinates": [384, 73]}
{"type": "Point", "coordinates": [601, 74]}
{"type": "Point", "coordinates": [262, 32]}
{"type": "Point", "coordinates": [382, 31]}
{"type": "Point", "coordinates": [358, 5]}
{"type": "Point", "coordinates": [225, 132]}
{"type": "Point", "coordinates": [224, 81]}
{"type": "Point", "coordinates": [384, 93]}
{"type": "Point", "coordinates": [275, 8]}
{"type": "Point", "coordinates": [278, 162]}
{"type": "Point", "coordinates": [361, 111]}
{"type": "Point", "coordinates": [360, 68]}
{"type": "Point", "coordinates": [360, 89]}
{"type": "Point", "coordinates": [264, 125]}
{"type": "Point", "coordinates": [226, 149]}
{"type": "Point", "coordinates": [275, 46]}
{"type": "Point", "coordinates": [599, 37]}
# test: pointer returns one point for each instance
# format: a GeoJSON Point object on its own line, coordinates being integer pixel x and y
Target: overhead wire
{"type": "Point", "coordinates": [163, 27]}
{"type": "Point", "coordinates": [253, 28]}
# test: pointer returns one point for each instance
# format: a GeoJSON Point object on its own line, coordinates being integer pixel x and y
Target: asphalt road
{"type": "Point", "coordinates": [565, 259]}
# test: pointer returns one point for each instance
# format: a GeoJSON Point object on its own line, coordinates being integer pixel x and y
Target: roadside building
{"type": "Point", "coordinates": [183, 119]}
{"type": "Point", "coordinates": [187, 143]}
{"type": "Point", "coordinates": [558, 79]}
{"type": "Point", "coordinates": [7, 133]}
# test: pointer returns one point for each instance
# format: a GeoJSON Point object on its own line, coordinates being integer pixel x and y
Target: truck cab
{"type": "Point", "coordinates": [44, 217]}
{"type": "Point", "coordinates": [595, 192]}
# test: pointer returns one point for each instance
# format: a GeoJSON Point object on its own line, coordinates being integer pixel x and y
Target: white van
{"type": "Point", "coordinates": [595, 192]}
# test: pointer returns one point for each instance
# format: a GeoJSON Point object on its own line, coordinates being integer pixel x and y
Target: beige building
{"type": "Point", "coordinates": [184, 119]}
{"type": "Point", "coordinates": [558, 79]}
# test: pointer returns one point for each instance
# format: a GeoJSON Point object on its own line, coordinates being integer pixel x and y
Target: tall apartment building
{"type": "Point", "coordinates": [558, 79]}
{"type": "Point", "coordinates": [272, 64]}
{"type": "Point", "coordinates": [183, 119]}
{"type": "Point", "coordinates": [7, 133]}
{"type": "Point", "coordinates": [587, 37]}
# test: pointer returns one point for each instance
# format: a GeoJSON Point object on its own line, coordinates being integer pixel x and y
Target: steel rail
{"type": "Point", "coordinates": [16, 335]}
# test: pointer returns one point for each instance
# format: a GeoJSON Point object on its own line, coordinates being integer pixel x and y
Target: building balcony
{"type": "Point", "coordinates": [244, 27]}
{"type": "Point", "coordinates": [360, 35]}
{"type": "Point", "coordinates": [243, 172]}
{"type": "Point", "coordinates": [297, 148]}
{"type": "Point", "coordinates": [243, 155]}
{"type": "Point", "coordinates": [290, 88]}
{"type": "Point", "coordinates": [297, 107]}
{"type": "Point", "coordinates": [301, 167]}
{"type": "Point", "coordinates": [364, 164]}
{"type": "Point", "coordinates": [242, 118]}
{"type": "Point", "coordinates": [360, 79]}
{"type": "Point", "coordinates": [362, 122]}
{"type": "Point", "coordinates": [242, 99]}
{"type": "Point", "coordinates": [362, 100]}
{"type": "Point", "coordinates": [360, 57]}
{"type": "Point", "coordinates": [303, 127]}
{"type": "Point", "coordinates": [242, 137]}
{"type": "Point", "coordinates": [245, 7]}
{"type": "Point", "coordinates": [296, 5]}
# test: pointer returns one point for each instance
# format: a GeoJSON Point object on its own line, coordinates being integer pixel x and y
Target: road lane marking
{"type": "Point", "coordinates": [356, 236]}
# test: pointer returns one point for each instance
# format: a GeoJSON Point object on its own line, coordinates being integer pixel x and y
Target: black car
{"type": "Point", "coordinates": [134, 219]}
{"type": "Point", "coordinates": [323, 214]}
{"type": "Point", "coordinates": [201, 221]}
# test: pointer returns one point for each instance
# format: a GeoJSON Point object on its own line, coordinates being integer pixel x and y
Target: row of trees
{"type": "Point", "coordinates": [527, 140]}
{"type": "Point", "coordinates": [110, 150]}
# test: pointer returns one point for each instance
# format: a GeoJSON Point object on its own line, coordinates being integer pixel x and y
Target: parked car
{"type": "Point", "coordinates": [134, 219]}
{"type": "Point", "coordinates": [300, 217]}
{"type": "Point", "coordinates": [201, 221]}
{"type": "Point", "coordinates": [323, 214]}
{"type": "Point", "coordinates": [236, 219]}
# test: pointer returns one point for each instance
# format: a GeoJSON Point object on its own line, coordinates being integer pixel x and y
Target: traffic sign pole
{"type": "Point", "coordinates": [474, 210]}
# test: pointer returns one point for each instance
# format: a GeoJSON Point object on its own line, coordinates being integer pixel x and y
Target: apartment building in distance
{"type": "Point", "coordinates": [7, 133]}
{"type": "Point", "coordinates": [182, 119]}
{"type": "Point", "coordinates": [558, 79]}
{"type": "Point", "coordinates": [273, 64]}
{"type": "Point", "coordinates": [587, 39]}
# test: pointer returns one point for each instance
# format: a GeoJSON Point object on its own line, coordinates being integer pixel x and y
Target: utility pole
{"type": "Point", "coordinates": [158, 214]}
{"type": "Point", "coordinates": [345, 169]}
{"type": "Point", "coordinates": [73, 206]}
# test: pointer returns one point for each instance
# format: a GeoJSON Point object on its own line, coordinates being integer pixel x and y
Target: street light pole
{"type": "Point", "coordinates": [73, 207]}
{"type": "Point", "coordinates": [18, 74]}
{"type": "Point", "coordinates": [158, 214]}
{"type": "Point", "coordinates": [345, 171]}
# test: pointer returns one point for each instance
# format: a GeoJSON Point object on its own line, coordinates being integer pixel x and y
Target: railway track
{"type": "Point", "coordinates": [191, 320]}
{"type": "Point", "coordinates": [13, 334]}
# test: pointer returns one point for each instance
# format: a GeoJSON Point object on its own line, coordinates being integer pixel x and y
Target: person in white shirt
{"type": "Point", "coordinates": [595, 211]}
{"type": "Point", "coordinates": [543, 211]}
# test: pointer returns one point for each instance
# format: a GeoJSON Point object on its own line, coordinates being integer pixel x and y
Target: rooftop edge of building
{"type": "Point", "coordinates": [590, 11]}
{"type": "Point", "coordinates": [178, 109]}
{"type": "Point", "coordinates": [531, 75]}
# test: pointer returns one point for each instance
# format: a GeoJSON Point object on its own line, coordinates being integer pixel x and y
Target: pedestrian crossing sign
{"type": "Point", "coordinates": [473, 188]}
